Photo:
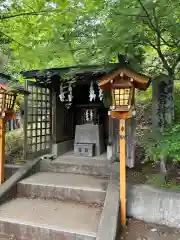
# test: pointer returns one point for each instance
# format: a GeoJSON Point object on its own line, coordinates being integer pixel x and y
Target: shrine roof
{"type": "Point", "coordinates": [79, 72]}
{"type": "Point", "coordinates": [4, 78]}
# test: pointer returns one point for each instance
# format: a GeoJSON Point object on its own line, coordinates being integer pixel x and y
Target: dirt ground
{"type": "Point", "coordinates": [138, 230]}
{"type": "Point", "coordinates": [150, 174]}
{"type": "Point", "coordinates": [141, 173]}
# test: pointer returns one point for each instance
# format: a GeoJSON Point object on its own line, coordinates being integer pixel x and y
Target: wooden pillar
{"type": "Point", "coordinates": [2, 149]}
{"type": "Point", "coordinates": [122, 158]}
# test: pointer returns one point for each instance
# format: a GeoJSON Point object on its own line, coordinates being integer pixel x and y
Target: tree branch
{"type": "Point", "coordinates": [164, 61]}
{"type": "Point", "coordinates": [154, 27]}
{"type": "Point", "coordinates": [147, 14]}
{"type": "Point", "coordinates": [12, 39]}
{"type": "Point", "coordinates": [3, 17]}
{"type": "Point", "coordinates": [158, 39]}
{"type": "Point", "coordinates": [161, 56]}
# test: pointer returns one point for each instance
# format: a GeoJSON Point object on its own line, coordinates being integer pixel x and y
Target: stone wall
{"type": "Point", "coordinates": [160, 206]}
{"type": "Point", "coordinates": [10, 169]}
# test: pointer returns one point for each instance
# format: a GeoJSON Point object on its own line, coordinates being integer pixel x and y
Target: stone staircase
{"type": "Point", "coordinates": [62, 201]}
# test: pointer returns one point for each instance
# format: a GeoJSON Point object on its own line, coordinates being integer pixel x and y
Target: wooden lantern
{"type": "Point", "coordinates": [122, 84]}
{"type": "Point", "coordinates": [7, 101]}
{"type": "Point", "coordinates": [122, 94]}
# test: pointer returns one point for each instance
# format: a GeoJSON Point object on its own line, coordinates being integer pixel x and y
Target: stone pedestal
{"type": "Point", "coordinates": [90, 133]}
{"type": "Point", "coordinates": [84, 149]}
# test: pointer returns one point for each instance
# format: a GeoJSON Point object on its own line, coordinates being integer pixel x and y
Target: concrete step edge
{"type": "Point", "coordinates": [45, 226]}
{"type": "Point", "coordinates": [75, 168]}
{"type": "Point", "coordinates": [61, 194]}
{"type": "Point", "coordinates": [62, 186]}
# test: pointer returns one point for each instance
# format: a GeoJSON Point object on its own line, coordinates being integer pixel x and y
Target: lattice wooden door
{"type": "Point", "coordinates": [37, 121]}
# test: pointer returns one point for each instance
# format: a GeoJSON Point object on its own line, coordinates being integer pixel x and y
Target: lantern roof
{"type": "Point", "coordinates": [3, 86]}
{"type": "Point", "coordinates": [140, 81]}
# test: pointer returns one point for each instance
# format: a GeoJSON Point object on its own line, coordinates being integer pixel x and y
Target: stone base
{"type": "Point", "coordinates": [90, 133]}
{"type": "Point", "coordinates": [84, 149]}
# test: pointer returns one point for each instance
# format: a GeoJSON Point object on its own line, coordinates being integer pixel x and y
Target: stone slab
{"type": "Point", "coordinates": [90, 133]}
{"type": "Point", "coordinates": [74, 165]}
{"type": "Point", "coordinates": [64, 186]}
{"type": "Point", "coordinates": [46, 219]}
{"type": "Point", "coordinates": [149, 204]}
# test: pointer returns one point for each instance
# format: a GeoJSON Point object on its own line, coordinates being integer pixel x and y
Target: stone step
{"type": "Point", "coordinates": [39, 219]}
{"type": "Point", "coordinates": [63, 186]}
{"type": "Point", "coordinates": [86, 166]}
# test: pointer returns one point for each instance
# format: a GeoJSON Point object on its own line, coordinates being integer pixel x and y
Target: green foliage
{"type": "Point", "coordinates": [148, 24]}
{"type": "Point", "coordinates": [164, 143]}
{"type": "Point", "coordinates": [144, 96]}
{"type": "Point", "coordinates": [14, 145]}
{"type": "Point", "coordinates": [44, 34]}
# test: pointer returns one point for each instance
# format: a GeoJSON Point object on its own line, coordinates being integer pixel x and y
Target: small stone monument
{"type": "Point", "coordinates": [89, 137]}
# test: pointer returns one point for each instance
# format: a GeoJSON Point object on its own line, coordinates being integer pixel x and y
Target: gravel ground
{"type": "Point", "coordinates": [138, 230]}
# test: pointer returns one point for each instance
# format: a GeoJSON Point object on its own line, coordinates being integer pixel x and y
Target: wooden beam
{"type": "Point", "coordinates": [120, 115]}
{"type": "Point", "coordinates": [122, 159]}
{"type": "Point", "coordinates": [2, 149]}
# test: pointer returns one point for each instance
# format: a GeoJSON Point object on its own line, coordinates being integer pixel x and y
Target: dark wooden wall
{"type": "Point", "coordinates": [65, 120]}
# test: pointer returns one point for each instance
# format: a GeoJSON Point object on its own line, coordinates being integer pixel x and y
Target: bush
{"type": "Point", "coordinates": [159, 144]}
{"type": "Point", "coordinates": [14, 145]}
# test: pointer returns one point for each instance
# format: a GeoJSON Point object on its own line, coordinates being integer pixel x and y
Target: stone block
{"type": "Point", "coordinates": [90, 133]}
{"type": "Point", "coordinates": [149, 204]}
{"type": "Point", "coordinates": [84, 149]}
